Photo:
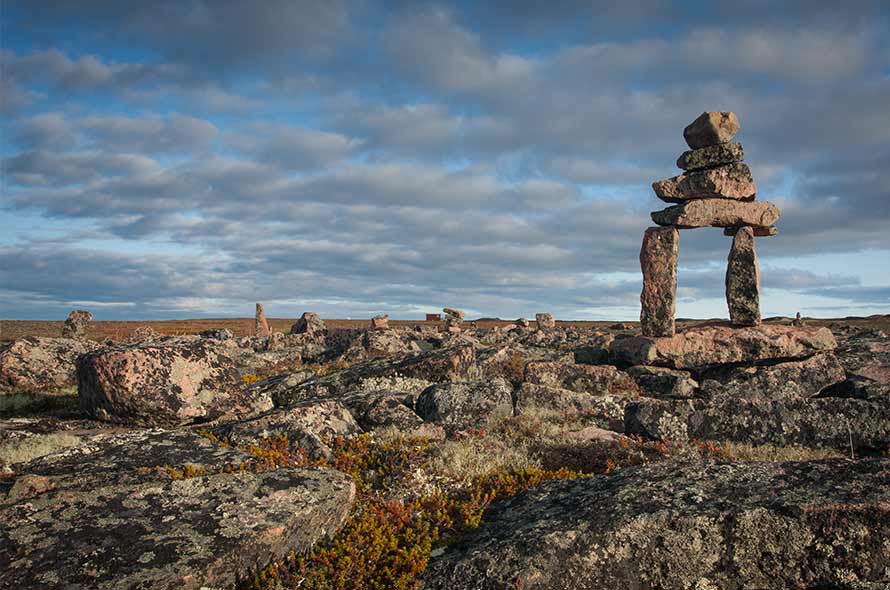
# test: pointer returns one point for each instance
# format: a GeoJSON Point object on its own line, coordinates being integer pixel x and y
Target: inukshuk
{"type": "Point", "coordinates": [716, 189]}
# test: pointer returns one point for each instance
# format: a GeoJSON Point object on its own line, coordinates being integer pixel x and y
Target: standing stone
{"type": "Point", "coordinates": [545, 321]}
{"type": "Point", "coordinates": [658, 259]}
{"type": "Point", "coordinates": [262, 326]}
{"type": "Point", "coordinates": [380, 322]}
{"type": "Point", "coordinates": [711, 128]}
{"type": "Point", "coordinates": [743, 280]}
{"type": "Point", "coordinates": [77, 323]}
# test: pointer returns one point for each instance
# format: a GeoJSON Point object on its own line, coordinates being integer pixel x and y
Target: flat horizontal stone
{"type": "Point", "coordinates": [733, 181]}
{"type": "Point", "coordinates": [717, 345]}
{"type": "Point", "coordinates": [832, 422]}
{"type": "Point", "coordinates": [710, 156]}
{"type": "Point", "coordinates": [789, 380]}
{"type": "Point", "coordinates": [711, 128]}
{"type": "Point", "coordinates": [703, 525]}
{"type": "Point", "coordinates": [759, 231]}
{"type": "Point", "coordinates": [717, 213]}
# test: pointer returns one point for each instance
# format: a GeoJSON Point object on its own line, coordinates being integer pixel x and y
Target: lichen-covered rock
{"type": "Point", "coordinates": [447, 364]}
{"type": "Point", "coordinates": [814, 524]}
{"type": "Point", "coordinates": [717, 345]}
{"type": "Point", "coordinates": [743, 280]}
{"type": "Point", "coordinates": [658, 261]}
{"type": "Point", "coordinates": [309, 323]}
{"type": "Point", "coordinates": [865, 354]}
{"type": "Point", "coordinates": [309, 425]}
{"type": "Point", "coordinates": [711, 128]}
{"type": "Point", "coordinates": [595, 379]}
{"type": "Point", "coordinates": [37, 364]}
{"type": "Point", "coordinates": [382, 409]}
{"type": "Point", "coordinates": [790, 380]}
{"type": "Point", "coordinates": [177, 382]}
{"type": "Point", "coordinates": [732, 181]}
{"type": "Point", "coordinates": [710, 156]}
{"type": "Point", "coordinates": [839, 423]}
{"type": "Point", "coordinates": [466, 404]}
{"type": "Point", "coordinates": [607, 409]}
{"type": "Point", "coordinates": [378, 344]}
{"type": "Point", "coordinates": [717, 213]}
{"type": "Point", "coordinates": [545, 321]}
{"type": "Point", "coordinates": [217, 334]}
{"type": "Point", "coordinates": [110, 516]}
{"type": "Point", "coordinates": [663, 382]}
{"type": "Point", "coordinates": [77, 323]}
{"type": "Point", "coordinates": [142, 334]}
{"type": "Point", "coordinates": [509, 361]}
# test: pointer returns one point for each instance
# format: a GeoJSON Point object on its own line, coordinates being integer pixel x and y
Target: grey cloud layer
{"type": "Point", "coordinates": [440, 165]}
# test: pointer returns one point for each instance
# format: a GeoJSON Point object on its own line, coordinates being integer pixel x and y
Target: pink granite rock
{"type": "Point", "coordinates": [658, 260]}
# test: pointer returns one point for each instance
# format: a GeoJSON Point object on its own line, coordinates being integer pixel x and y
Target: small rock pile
{"type": "Point", "coordinates": [716, 190]}
{"type": "Point", "coordinates": [77, 323]}
{"type": "Point", "coordinates": [454, 319]}
{"type": "Point", "coordinates": [545, 321]}
{"type": "Point", "coordinates": [380, 322]}
{"type": "Point", "coordinates": [309, 323]}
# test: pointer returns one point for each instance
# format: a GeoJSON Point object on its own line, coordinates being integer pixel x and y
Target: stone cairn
{"type": "Point", "coordinates": [716, 189]}
{"type": "Point", "coordinates": [545, 321]}
{"type": "Point", "coordinates": [454, 319]}
{"type": "Point", "coordinates": [77, 323]}
{"type": "Point", "coordinates": [380, 322]}
{"type": "Point", "coordinates": [261, 327]}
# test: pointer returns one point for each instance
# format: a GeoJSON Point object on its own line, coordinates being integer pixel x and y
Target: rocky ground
{"type": "Point", "coordinates": [496, 456]}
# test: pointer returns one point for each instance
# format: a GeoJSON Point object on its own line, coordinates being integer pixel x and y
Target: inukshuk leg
{"type": "Point", "coordinates": [658, 259]}
{"type": "Point", "coordinates": [743, 280]}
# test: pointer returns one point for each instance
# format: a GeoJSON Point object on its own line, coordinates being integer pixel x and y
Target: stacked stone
{"type": "Point", "coordinates": [545, 321]}
{"type": "Point", "coordinates": [454, 319]}
{"type": "Point", "coordinates": [77, 324]}
{"type": "Point", "coordinates": [380, 322]}
{"type": "Point", "coordinates": [716, 189]}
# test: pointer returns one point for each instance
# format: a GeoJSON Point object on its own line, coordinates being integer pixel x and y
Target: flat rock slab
{"type": "Point", "coordinates": [466, 404]}
{"type": "Point", "coordinates": [816, 524]}
{"type": "Point", "coordinates": [717, 213]}
{"type": "Point", "coordinates": [593, 379]}
{"type": "Point", "coordinates": [608, 410]}
{"type": "Point", "coordinates": [838, 423]}
{"type": "Point", "coordinates": [718, 345]}
{"type": "Point", "coordinates": [732, 181]}
{"type": "Point", "coordinates": [713, 155]}
{"type": "Point", "coordinates": [178, 534]}
{"type": "Point", "coordinates": [110, 513]}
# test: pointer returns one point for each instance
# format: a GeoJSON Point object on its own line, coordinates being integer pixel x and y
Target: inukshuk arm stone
{"type": "Point", "coordinates": [658, 260]}
{"type": "Point", "coordinates": [743, 280]}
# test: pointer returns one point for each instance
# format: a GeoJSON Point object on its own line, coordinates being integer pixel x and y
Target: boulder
{"type": "Point", "coordinates": [521, 322]}
{"type": "Point", "coordinates": [466, 404]}
{"type": "Point", "coordinates": [456, 315]}
{"type": "Point", "coordinates": [169, 383]}
{"type": "Point", "coordinates": [261, 325]}
{"type": "Point", "coordinates": [732, 181]}
{"type": "Point", "coordinates": [382, 409]}
{"type": "Point", "coordinates": [838, 423]}
{"type": "Point", "coordinates": [717, 213]}
{"type": "Point", "coordinates": [595, 379]}
{"type": "Point", "coordinates": [790, 380]}
{"type": "Point", "coordinates": [143, 334]}
{"type": "Point", "coordinates": [663, 382]}
{"type": "Point", "coordinates": [658, 260]}
{"type": "Point", "coordinates": [309, 323]}
{"type": "Point", "coordinates": [159, 510]}
{"type": "Point", "coordinates": [743, 280]}
{"type": "Point", "coordinates": [37, 364]}
{"type": "Point", "coordinates": [711, 156]}
{"type": "Point", "coordinates": [711, 128]}
{"type": "Point", "coordinates": [695, 526]}
{"type": "Point", "coordinates": [217, 334]}
{"type": "Point", "coordinates": [77, 324]}
{"type": "Point", "coordinates": [716, 345]}
{"type": "Point", "coordinates": [308, 425]}
{"type": "Point", "coordinates": [509, 361]}
{"type": "Point", "coordinates": [545, 321]}
{"type": "Point", "coordinates": [377, 344]}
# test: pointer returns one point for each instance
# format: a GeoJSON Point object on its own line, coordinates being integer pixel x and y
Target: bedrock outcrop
{"type": "Point", "coordinates": [816, 524]}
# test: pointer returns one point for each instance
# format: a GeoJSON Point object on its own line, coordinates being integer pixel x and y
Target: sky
{"type": "Point", "coordinates": [187, 158]}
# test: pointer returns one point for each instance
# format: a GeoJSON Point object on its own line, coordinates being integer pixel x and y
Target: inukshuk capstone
{"type": "Point", "coordinates": [716, 189]}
